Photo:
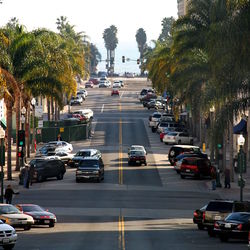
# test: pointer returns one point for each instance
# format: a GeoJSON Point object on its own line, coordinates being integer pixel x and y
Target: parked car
{"type": "Point", "coordinates": [137, 157]}
{"type": "Point", "coordinates": [168, 130]}
{"type": "Point", "coordinates": [39, 215]}
{"type": "Point", "coordinates": [8, 236]}
{"type": "Point", "coordinates": [178, 138]}
{"type": "Point", "coordinates": [75, 100]}
{"type": "Point", "coordinates": [195, 167]}
{"type": "Point", "coordinates": [61, 146]}
{"type": "Point", "coordinates": [162, 125]}
{"type": "Point", "coordinates": [154, 119]}
{"type": "Point", "coordinates": [65, 157]}
{"type": "Point", "coordinates": [116, 84]}
{"type": "Point", "coordinates": [179, 159]}
{"type": "Point", "coordinates": [90, 168]}
{"type": "Point", "coordinates": [218, 210]}
{"type": "Point", "coordinates": [46, 150]}
{"type": "Point", "coordinates": [47, 168]}
{"type": "Point", "coordinates": [85, 92]}
{"type": "Point", "coordinates": [102, 84]}
{"type": "Point", "coordinates": [235, 225]}
{"type": "Point", "coordinates": [89, 84]}
{"type": "Point", "coordinates": [167, 117]}
{"type": "Point", "coordinates": [115, 92]}
{"type": "Point", "coordinates": [175, 150]}
{"type": "Point", "coordinates": [198, 217]}
{"type": "Point", "coordinates": [12, 216]}
{"type": "Point", "coordinates": [81, 94]}
{"type": "Point", "coordinates": [94, 80]}
{"type": "Point", "coordinates": [81, 154]}
{"type": "Point", "coordinates": [88, 113]}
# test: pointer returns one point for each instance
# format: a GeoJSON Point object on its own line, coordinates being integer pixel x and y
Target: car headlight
{"type": "Point", "coordinates": [95, 172]}
{"type": "Point", "coordinates": [14, 232]}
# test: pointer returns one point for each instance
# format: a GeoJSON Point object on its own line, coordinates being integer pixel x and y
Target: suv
{"type": "Point", "coordinates": [175, 150]}
{"type": "Point", "coordinates": [47, 168]}
{"type": "Point", "coordinates": [90, 168]}
{"type": "Point", "coordinates": [8, 236]}
{"type": "Point", "coordinates": [219, 210]}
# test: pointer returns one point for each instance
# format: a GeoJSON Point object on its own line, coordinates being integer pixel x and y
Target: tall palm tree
{"type": "Point", "coordinates": [141, 39]}
{"type": "Point", "coordinates": [95, 58]}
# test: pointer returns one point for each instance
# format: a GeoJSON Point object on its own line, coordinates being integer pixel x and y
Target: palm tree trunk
{"type": "Point", "coordinates": [27, 130]}
{"type": "Point", "coordinates": [52, 109]}
{"type": "Point", "coordinates": [18, 108]}
{"type": "Point", "coordinates": [9, 106]}
{"type": "Point", "coordinates": [48, 108]}
{"type": "Point", "coordinates": [56, 111]}
{"type": "Point", "coordinates": [231, 150]}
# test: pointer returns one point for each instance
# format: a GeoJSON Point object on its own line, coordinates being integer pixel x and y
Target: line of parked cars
{"type": "Point", "coordinates": [79, 98]}
{"type": "Point", "coordinates": [225, 219]}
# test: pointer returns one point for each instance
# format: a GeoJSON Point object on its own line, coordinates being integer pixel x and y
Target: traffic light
{"type": "Point", "coordinates": [138, 61]}
{"type": "Point", "coordinates": [123, 59]}
{"type": "Point", "coordinates": [20, 154]}
{"type": "Point", "coordinates": [21, 138]}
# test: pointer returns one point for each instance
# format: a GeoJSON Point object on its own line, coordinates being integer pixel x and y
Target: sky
{"type": "Point", "coordinates": [93, 17]}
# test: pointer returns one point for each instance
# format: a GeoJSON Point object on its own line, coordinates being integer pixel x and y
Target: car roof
{"type": "Point", "coordinates": [184, 146]}
{"type": "Point", "coordinates": [94, 157]}
{"type": "Point", "coordinates": [87, 150]}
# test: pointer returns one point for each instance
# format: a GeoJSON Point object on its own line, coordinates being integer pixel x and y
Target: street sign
{"type": "Point", "coordinates": [40, 123]}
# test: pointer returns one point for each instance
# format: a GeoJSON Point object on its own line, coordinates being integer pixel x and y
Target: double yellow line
{"type": "Point", "coordinates": [121, 233]}
{"type": "Point", "coordinates": [120, 154]}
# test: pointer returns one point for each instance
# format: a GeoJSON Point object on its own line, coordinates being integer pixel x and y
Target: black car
{"type": "Point", "coordinates": [218, 210]}
{"type": "Point", "coordinates": [235, 225]}
{"type": "Point", "coordinates": [176, 150]}
{"type": "Point", "coordinates": [90, 168]}
{"type": "Point", "coordinates": [198, 217]}
{"type": "Point", "coordinates": [47, 168]}
{"type": "Point", "coordinates": [137, 157]}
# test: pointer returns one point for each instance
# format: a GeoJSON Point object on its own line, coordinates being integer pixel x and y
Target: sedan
{"type": "Point", "coordinates": [61, 146]}
{"type": "Point", "coordinates": [76, 100]}
{"type": "Point", "coordinates": [115, 92]}
{"type": "Point", "coordinates": [12, 216]}
{"type": "Point", "coordinates": [235, 225]}
{"type": "Point", "coordinates": [40, 216]}
{"type": "Point", "coordinates": [137, 148]}
{"type": "Point", "coordinates": [9, 238]}
{"type": "Point", "coordinates": [89, 84]}
{"type": "Point", "coordinates": [178, 138]}
{"type": "Point", "coordinates": [137, 157]}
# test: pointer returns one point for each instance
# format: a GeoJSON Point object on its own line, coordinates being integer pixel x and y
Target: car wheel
{"type": "Point", "coordinates": [77, 180]}
{"type": "Point", "coordinates": [40, 178]}
{"type": "Point", "coordinates": [177, 171]}
{"type": "Point", "coordinates": [8, 247]}
{"type": "Point", "coordinates": [211, 232]}
{"type": "Point", "coordinates": [182, 176]}
{"type": "Point", "coordinates": [27, 227]}
{"type": "Point", "coordinates": [166, 143]}
{"type": "Point", "coordinates": [200, 226]}
{"type": "Point", "coordinates": [52, 224]}
{"type": "Point", "coordinates": [60, 176]}
{"type": "Point", "coordinates": [223, 238]}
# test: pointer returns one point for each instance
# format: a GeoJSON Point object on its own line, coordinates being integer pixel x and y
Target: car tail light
{"type": "Point", "coordinates": [44, 217]}
{"type": "Point", "coordinates": [216, 225]}
{"type": "Point", "coordinates": [249, 237]}
{"type": "Point", "coordinates": [195, 214]}
{"type": "Point", "coordinates": [239, 227]}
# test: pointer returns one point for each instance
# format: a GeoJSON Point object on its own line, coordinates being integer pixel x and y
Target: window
{"type": "Point", "coordinates": [224, 207]}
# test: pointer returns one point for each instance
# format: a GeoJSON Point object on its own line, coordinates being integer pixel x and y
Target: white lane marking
{"type": "Point", "coordinates": [122, 94]}
{"type": "Point", "coordinates": [102, 108]}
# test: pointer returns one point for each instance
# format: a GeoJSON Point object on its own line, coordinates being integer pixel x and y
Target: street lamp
{"type": "Point", "coordinates": [23, 112]}
{"type": "Point", "coordinates": [33, 103]}
{"type": "Point", "coordinates": [241, 165]}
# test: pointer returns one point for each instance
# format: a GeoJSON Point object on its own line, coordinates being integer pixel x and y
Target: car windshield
{"type": "Point", "coordinates": [137, 153]}
{"type": "Point", "coordinates": [9, 209]}
{"type": "Point", "coordinates": [157, 115]}
{"type": "Point", "coordinates": [83, 153]}
{"type": "Point", "coordinates": [172, 134]}
{"type": "Point", "coordinates": [88, 164]}
{"type": "Point", "coordinates": [238, 216]}
{"type": "Point", "coordinates": [137, 148]}
{"type": "Point", "coordinates": [32, 208]}
{"type": "Point", "coordinates": [216, 206]}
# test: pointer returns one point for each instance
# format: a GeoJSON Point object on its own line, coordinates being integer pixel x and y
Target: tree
{"type": "Point", "coordinates": [141, 39]}
{"type": "Point", "coordinates": [95, 58]}
{"type": "Point", "coordinates": [167, 24]}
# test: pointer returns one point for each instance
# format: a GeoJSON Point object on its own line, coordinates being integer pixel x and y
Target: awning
{"type": "Point", "coordinates": [241, 127]}
{"type": "Point", "coordinates": [3, 123]}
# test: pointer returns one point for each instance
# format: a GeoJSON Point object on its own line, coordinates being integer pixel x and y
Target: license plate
{"type": "Point", "coordinates": [137, 161]}
{"type": "Point", "coordinates": [5, 241]}
{"type": "Point", "coordinates": [217, 217]}
{"type": "Point", "coordinates": [187, 170]}
{"type": "Point", "coordinates": [47, 221]}
{"type": "Point", "coordinates": [86, 176]}
{"type": "Point", "coordinates": [227, 225]}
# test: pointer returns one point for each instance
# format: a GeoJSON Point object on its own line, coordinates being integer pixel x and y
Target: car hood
{"type": "Point", "coordinates": [6, 227]}
{"type": "Point", "coordinates": [42, 213]}
{"type": "Point", "coordinates": [77, 158]}
{"type": "Point", "coordinates": [17, 216]}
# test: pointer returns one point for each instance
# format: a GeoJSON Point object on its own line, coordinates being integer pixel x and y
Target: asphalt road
{"type": "Point", "coordinates": [135, 207]}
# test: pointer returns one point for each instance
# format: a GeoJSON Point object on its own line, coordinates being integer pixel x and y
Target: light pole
{"type": "Point", "coordinates": [33, 103]}
{"type": "Point", "coordinates": [241, 165]}
{"type": "Point", "coordinates": [23, 151]}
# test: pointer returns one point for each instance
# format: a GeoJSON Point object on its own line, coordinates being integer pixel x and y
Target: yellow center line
{"type": "Point", "coordinates": [120, 154]}
{"type": "Point", "coordinates": [121, 233]}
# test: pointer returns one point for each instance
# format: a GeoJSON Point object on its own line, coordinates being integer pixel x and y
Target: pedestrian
{"type": "Point", "coordinates": [59, 137]}
{"type": "Point", "coordinates": [9, 194]}
{"type": "Point", "coordinates": [213, 178]}
{"type": "Point", "coordinates": [227, 178]}
{"type": "Point", "coordinates": [26, 177]}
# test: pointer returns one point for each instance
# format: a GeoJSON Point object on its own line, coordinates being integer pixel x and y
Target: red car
{"type": "Point", "coordinates": [94, 80]}
{"type": "Point", "coordinates": [89, 84]}
{"type": "Point", "coordinates": [40, 216]}
{"type": "Point", "coordinates": [80, 117]}
{"type": "Point", "coordinates": [115, 92]}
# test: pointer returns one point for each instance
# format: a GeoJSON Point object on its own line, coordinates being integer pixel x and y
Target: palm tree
{"type": "Point", "coordinates": [141, 39]}
{"type": "Point", "coordinates": [95, 58]}
{"type": "Point", "coordinates": [111, 41]}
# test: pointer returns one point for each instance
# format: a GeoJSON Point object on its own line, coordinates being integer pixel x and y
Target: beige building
{"type": "Point", "coordinates": [180, 7]}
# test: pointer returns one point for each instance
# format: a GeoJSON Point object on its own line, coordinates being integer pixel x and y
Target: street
{"type": "Point", "coordinates": [135, 207]}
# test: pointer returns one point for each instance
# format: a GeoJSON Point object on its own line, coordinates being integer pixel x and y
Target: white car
{"type": "Point", "coordinates": [154, 119]}
{"type": "Point", "coordinates": [8, 236]}
{"type": "Point", "coordinates": [178, 138]}
{"type": "Point", "coordinates": [85, 92]}
{"type": "Point", "coordinates": [137, 148]}
{"type": "Point", "coordinates": [76, 100]}
{"type": "Point", "coordinates": [81, 94]}
{"type": "Point", "coordinates": [116, 84]}
{"type": "Point", "coordinates": [12, 216]}
{"type": "Point", "coordinates": [62, 146]}
{"type": "Point", "coordinates": [88, 113]}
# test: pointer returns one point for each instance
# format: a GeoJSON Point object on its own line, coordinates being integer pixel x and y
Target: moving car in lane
{"type": "Point", "coordinates": [81, 154]}
{"type": "Point", "coordinates": [94, 80]}
{"type": "Point", "coordinates": [89, 84]}
{"type": "Point", "coordinates": [61, 146]}
{"type": "Point", "coordinates": [235, 225]}
{"type": "Point", "coordinates": [81, 93]}
{"type": "Point", "coordinates": [137, 147]}
{"type": "Point", "coordinates": [40, 216]}
{"type": "Point", "coordinates": [137, 157]}
{"type": "Point", "coordinates": [195, 167]}
{"type": "Point", "coordinates": [12, 216]}
{"type": "Point", "coordinates": [198, 217]}
{"type": "Point", "coordinates": [75, 100]}
{"type": "Point", "coordinates": [90, 168]}
{"type": "Point", "coordinates": [116, 84]}
{"type": "Point", "coordinates": [8, 236]}
{"type": "Point", "coordinates": [115, 92]}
